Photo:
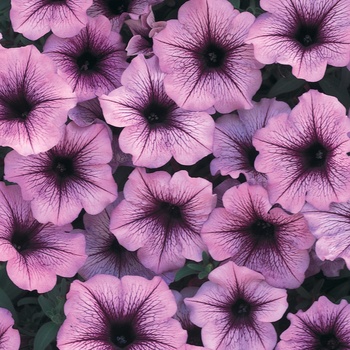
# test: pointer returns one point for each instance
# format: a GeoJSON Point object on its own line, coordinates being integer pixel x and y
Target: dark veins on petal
{"type": "Point", "coordinates": [328, 342]}
{"type": "Point", "coordinates": [315, 156]}
{"type": "Point", "coordinates": [307, 35]}
{"type": "Point", "coordinates": [122, 334]}
{"type": "Point", "coordinates": [213, 56]}
{"type": "Point", "coordinates": [241, 309]}
{"type": "Point", "coordinates": [87, 61]}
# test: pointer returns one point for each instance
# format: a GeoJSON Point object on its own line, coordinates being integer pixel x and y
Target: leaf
{"type": "Point", "coordinates": [28, 300]}
{"type": "Point", "coordinates": [205, 258]}
{"type": "Point", "coordinates": [332, 86]}
{"type": "Point", "coordinates": [46, 304]}
{"type": "Point", "coordinates": [6, 303]}
{"type": "Point", "coordinates": [303, 293]}
{"type": "Point", "coordinates": [45, 335]}
{"type": "Point", "coordinates": [284, 85]}
{"type": "Point", "coordinates": [202, 275]}
{"type": "Point", "coordinates": [236, 3]}
{"type": "Point", "coordinates": [184, 272]}
{"type": "Point", "coordinates": [195, 267]}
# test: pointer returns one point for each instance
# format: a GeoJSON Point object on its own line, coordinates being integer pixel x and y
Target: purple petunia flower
{"type": "Point", "coordinates": [35, 252]}
{"type": "Point", "coordinates": [34, 18]}
{"type": "Point", "coordinates": [206, 59]}
{"type": "Point", "coordinates": [305, 154]}
{"type": "Point", "coordinates": [233, 148]}
{"type": "Point", "coordinates": [155, 128]}
{"type": "Point", "coordinates": [323, 326]}
{"type": "Point", "coordinates": [34, 101]}
{"type": "Point", "coordinates": [118, 10]}
{"type": "Point", "coordinates": [86, 113]}
{"type": "Point", "coordinates": [251, 233]}
{"type": "Point", "coordinates": [166, 226]}
{"type": "Point", "coordinates": [331, 228]}
{"type": "Point", "coordinates": [305, 34]}
{"type": "Point", "coordinates": [72, 175]}
{"type": "Point", "coordinates": [131, 313]}
{"type": "Point", "coordinates": [92, 61]}
{"type": "Point", "coordinates": [9, 337]}
{"type": "Point", "coordinates": [235, 309]}
{"type": "Point", "coordinates": [105, 254]}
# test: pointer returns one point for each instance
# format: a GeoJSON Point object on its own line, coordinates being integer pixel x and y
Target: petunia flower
{"type": "Point", "coordinates": [34, 18]}
{"type": "Point", "coordinates": [323, 326]}
{"type": "Point", "coordinates": [235, 309]}
{"type": "Point", "coordinates": [128, 313]}
{"type": "Point", "coordinates": [92, 61]}
{"type": "Point", "coordinates": [72, 175]}
{"type": "Point", "coordinates": [35, 252]}
{"type": "Point", "coordinates": [304, 34]}
{"type": "Point", "coordinates": [332, 230]}
{"type": "Point", "coordinates": [117, 11]}
{"type": "Point", "coordinates": [34, 101]}
{"type": "Point", "coordinates": [233, 147]}
{"type": "Point", "coordinates": [206, 58]}
{"type": "Point", "coordinates": [251, 233]}
{"type": "Point", "coordinates": [105, 254]}
{"type": "Point", "coordinates": [9, 337]}
{"type": "Point", "coordinates": [155, 128]}
{"type": "Point", "coordinates": [166, 227]}
{"type": "Point", "coordinates": [304, 155]}
{"type": "Point", "coordinates": [86, 113]}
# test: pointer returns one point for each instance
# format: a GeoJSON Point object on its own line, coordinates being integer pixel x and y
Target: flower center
{"type": "Point", "coordinates": [307, 35]}
{"type": "Point", "coordinates": [213, 56]}
{"type": "Point", "coordinates": [20, 240]}
{"type": "Point", "coordinates": [87, 61]}
{"type": "Point", "coordinates": [315, 156]}
{"type": "Point", "coordinates": [241, 309]}
{"type": "Point", "coordinates": [172, 210]}
{"type": "Point", "coordinates": [63, 167]}
{"type": "Point", "coordinates": [116, 248]}
{"type": "Point", "coordinates": [122, 335]}
{"type": "Point", "coordinates": [261, 228]}
{"type": "Point", "coordinates": [155, 113]}
{"type": "Point", "coordinates": [19, 107]}
{"type": "Point", "coordinates": [252, 153]}
{"type": "Point", "coordinates": [328, 342]}
{"type": "Point", "coordinates": [117, 7]}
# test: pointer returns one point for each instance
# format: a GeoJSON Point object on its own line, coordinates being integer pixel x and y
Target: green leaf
{"type": "Point", "coordinates": [46, 304]}
{"type": "Point", "coordinates": [285, 85]}
{"type": "Point", "coordinates": [28, 300]}
{"type": "Point", "coordinates": [332, 86]}
{"type": "Point", "coordinates": [195, 267]}
{"type": "Point", "coordinates": [303, 293]}
{"type": "Point", "coordinates": [184, 272]}
{"type": "Point", "coordinates": [205, 258]}
{"type": "Point", "coordinates": [6, 303]}
{"type": "Point", "coordinates": [45, 335]}
{"type": "Point", "coordinates": [203, 275]}
{"type": "Point", "coordinates": [340, 291]}
{"type": "Point", "coordinates": [236, 3]}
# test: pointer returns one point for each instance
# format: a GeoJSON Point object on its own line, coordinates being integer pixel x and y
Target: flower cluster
{"type": "Point", "coordinates": [174, 175]}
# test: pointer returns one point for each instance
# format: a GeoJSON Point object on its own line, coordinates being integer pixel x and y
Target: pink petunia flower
{"type": "Point", "coordinates": [117, 11]}
{"type": "Point", "coordinates": [128, 313]}
{"type": "Point", "coordinates": [105, 254]}
{"type": "Point", "coordinates": [35, 252]}
{"type": "Point", "coordinates": [155, 128]}
{"type": "Point", "coordinates": [9, 337]}
{"type": "Point", "coordinates": [323, 326]}
{"type": "Point", "coordinates": [251, 233]}
{"type": "Point", "coordinates": [331, 228]}
{"type": "Point", "coordinates": [72, 175]}
{"type": "Point", "coordinates": [34, 18]}
{"type": "Point", "coordinates": [166, 227]}
{"type": "Point", "coordinates": [305, 154]}
{"type": "Point", "coordinates": [235, 309]}
{"type": "Point", "coordinates": [304, 34]}
{"type": "Point", "coordinates": [34, 101]}
{"type": "Point", "coordinates": [206, 58]}
{"type": "Point", "coordinates": [86, 113]}
{"type": "Point", "coordinates": [92, 61]}
{"type": "Point", "coordinates": [233, 147]}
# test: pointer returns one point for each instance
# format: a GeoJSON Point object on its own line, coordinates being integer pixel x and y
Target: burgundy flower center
{"type": "Point", "coordinates": [19, 107]}
{"type": "Point", "coordinates": [328, 342]}
{"type": "Point", "coordinates": [307, 35]}
{"type": "Point", "coordinates": [315, 156]}
{"type": "Point", "coordinates": [241, 309]}
{"type": "Point", "coordinates": [122, 335]}
{"type": "Point", "coordinates": [213, 56]}
{"type": "Point", "coordinates": [251, 154]}
{"type": "Point", "coordinates": [194, 336]}
{"type": "Point", "coordinates": [87, 61]}
{"type": "Point", "coordinates": [117, 7]}
{"type": "Point", "coordinates": [20, 240]}
{"type": "Point", "coordinates": [262, 228]}
{"type": "Point", "coordinates": [63, 167]}
{"type": "Point", "coordinates": [173, 211]}
{"type": "Point", "coordinates": [156, 113]}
